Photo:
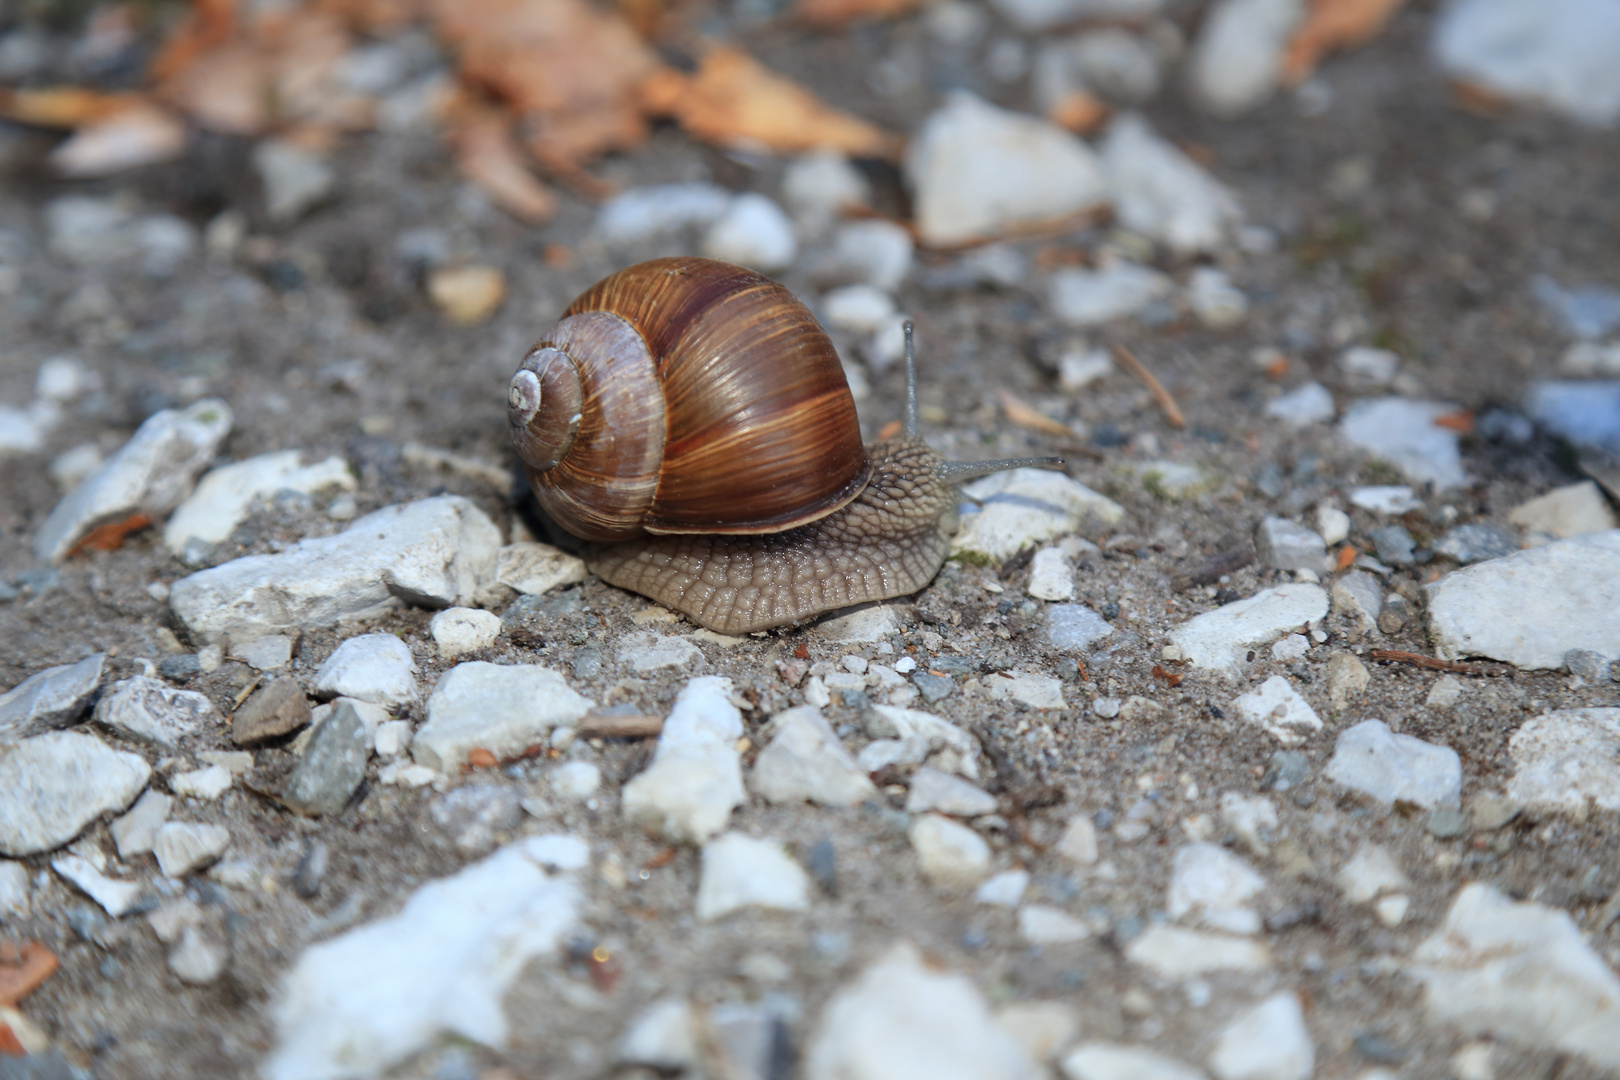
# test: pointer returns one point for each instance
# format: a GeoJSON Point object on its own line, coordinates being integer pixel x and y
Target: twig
{"type": "Point", "coordinates": [1401, 656]}
{"type": "Point", "coordinates": [1172, 412]}
{"type": "Point", "coordinates": [620, 727]}
{"type": "Point", "coordinates": [1219, 564]}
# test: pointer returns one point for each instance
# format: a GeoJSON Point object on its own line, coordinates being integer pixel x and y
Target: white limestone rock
{"type": "Point", "coordinates": [502, 708]}
{"type": "Point", "coordinates": [1042, 924]}
{"type": "Point", "coordinates": [1555, 53]}
{"type": "Point", "coordinates": [1310, 403]}
{"type": "Point", "coordinates": [932, 790]}
{"type": "Point", "coordinates": [1236, 63]}
{"type": "Point", "coordinates": [53, 785]}
{"type": "Point", "coordinates": [1115, 289]}
{"type": "Point", "coordinates": [534, 568]}
{"type": "Point", "coordinates": [151, 711]}
{"type": "Point", "coordinates": [1034, 691]}
{"type": "Point", "coordinates": [14, 890]}
{"type": "Point", "coordinates": [1110, 1061]}
{"type": "Point", "coordinates": [695, 781]}
{"type": "Point", "coordinates": [1403, 432]}
{"type": "Point", "coordinates": [53, 698]}
{"type": "Point", "coordinates": [1371, 873]}
{"type": "Point", "coordinates": [1277, 707]}
{"type": "Point", "coordinates": [1176, 954]}
{"type": "Point", "coordinates": [804, 761]}
{"type": "Point", "coordinates": [1575, 510]}
{"type": "Point", "coordinates": [461, 630]}
{"type": "Point", "coordinates": [1027, 506]}
{"type": "Point", "coordinates": [1267, 1042]}
{"type": "Point", "coordinates": [378, 668]}
{"type": "Point", "coordinates": [1219, 640]}
{"type": "Point", "coordinates": [1163, 194]}
{"type": "Point", "coordinates": [224, 496]}
{"type": "Point", "coordinates": [863, 625]}
{"type": "Point", "coordinates": [115, 897]}
{"type": "Point", "coordinates": [1567, 761]}
{"type": "Point", "coordinates": [740, 871]}
{"type": "Point", "coordinates": [645, 651]}
{"type": "Point", "coordinates": [754, 232]}
{"type": "Point", "coordinates": [953, 856]}
{"type": "Point", "coordinates": [1211, 886]}
{"type": "Point", "coordinates": [207, 783]}
{"type": "Point", "coordinates": [182, 847]}
{"type": "Point", "coordinates": [1375, 761]}
{"type": "Point", "coordinates": [1005, 889]}
{"type": "Point", "coordinates": [1051, 575]}
{"type": "Point", "coordinates": [435, 552]}
{"type": "Point", "coordinates": [947, 746]}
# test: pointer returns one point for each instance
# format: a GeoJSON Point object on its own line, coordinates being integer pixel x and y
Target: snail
{"type": "Point", "coordinates": [690, 420]}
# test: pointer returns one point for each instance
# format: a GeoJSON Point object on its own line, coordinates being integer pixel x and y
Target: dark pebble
{"type": "Point", "coordinates": [547, 606]}
{"type": "Point", "coordinates": [1227, 596]}
{"type": "Point", "coordinates": [1375, 1048]}
{"type": "Point", "coordinates": [1476, 543]}
{"type": "Point", "coordinates": [182, 668]}
{"type": "Point", "coordinates": [1109, 611]}
{"type": "Point", "coordinates": [332, 767]}
{"type": "Point", "coordinates": [311, 870]}
{"type": "Point", "coordinates": [823, 862]}
{"type": "Point", "coordinates": [1294, 915]}
{"type": "Point", "coordinates": [933, 687]}
{"type": "Point", "coordinates": [1103, 820]}
{"type": "Point", "coordinates": [275, 709]}
{"type": "Point", "coordinates": [587, 663]}
{"type": "Point", "coordinates": [7, 593]}
{"type": "Point", "coordinates": [955, 665]}
{"type": "Point", "coordinates": [1394, 544]}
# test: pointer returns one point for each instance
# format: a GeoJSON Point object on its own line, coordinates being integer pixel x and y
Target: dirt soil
{"type": "Point", "coordinates": [1372, 247]}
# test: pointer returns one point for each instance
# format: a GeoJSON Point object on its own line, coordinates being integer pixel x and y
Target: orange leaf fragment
{"type": "Point", "coordinates": [1169, 678]}
{"type": "Point", "coordinates": [63, 106]}
{"type": "Point", "coordinates": [486, 154]}
{"type": "Point", "coordinates": [733, 101]}
{"type": "Point", "coordinates": [1460, 422]}
{"type": "Point", "coordinates": [1079, 111]}
{"type": "Point", "coordinates": [1278, 367]}
{"type": "Point", "coordinates": [1332, 25]}
{"type": "Point", "coordinates": [479, 758]}
{"type": "Point", "coordinates": [890, 430]}
{"type": "Point", "coordinates": [111, 535]}
{"type": "Point", "coordinates": [1025, 415]}
{"type": "Point", "coordinates": [830, 14]}
{"type": "Point", "coordinates": [1347, 555]}
{"type": "Point", "coordinates": [23, 967]}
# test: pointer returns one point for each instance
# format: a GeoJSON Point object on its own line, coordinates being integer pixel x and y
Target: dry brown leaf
{"type": "Point", "coordinates": [141, 134]}
{"type": "Point", "coordinates": [734, 101]}
{"type": "Point", "coordinates": [1331, 25]}
{"type": "Point", "coordinates": [571, 72]}
{"type": "Point", "coordinates": [1080, 112]}
{"type": "Point", "coordinates": [63, 106]}
{"type": "Point", "coordinates": [23, 966]}
{"type": "Point", "coordinates": [835, 13]}
{"type": "Point", "coordinates": [487, 155]}
{"type": "Point", "coordinates": [1025, 415]}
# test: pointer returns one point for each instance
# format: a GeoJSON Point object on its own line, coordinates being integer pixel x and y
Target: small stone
{"type": "Point", "coordinates": [181, 848]}
{"type": "Point", "coordinates": [150, 475]}
{"type": "Point", "coordinates": [1403, 432]}
{"type": "Point", "coordinates": [1079, 368]}
{"type": "Point", "coordinates": [1301, 407]}
{"type": "Point", "coordinates": [1035, 691]}
{"type": "Point", "coordinates": [1078, 842]}
{"type": "Point", "coordinates": [1211, 886]}
{"type": "Point", "coordinates": [1371, 873]}
{"type": "Point", "coordinates": [1333, 524]}
{"type": "Point", "coordinates": [501, 708]}
{"type": "Point", "coordinates": [1347, 677]}
{"type": "Point", "coordinates": [67, 469]}
{"type": "Point", "coordinates": [1051, 575]}
{"type": "Point", "coordinates": [225, 496]}
{"type": "Point", "coordinates": [1075, 627]}
{"type": "Point", "coordinates": [753, 232]}
{"type": "Point", "coordinates": [1107, 1061]}
{"type": "Point", "coordinates": [151, 711]}
{"type": "Point", "coordinates": [1385, 499]}
{"type": "Point", "coordinates": [1567, 761]}
{"type": "Point", "coordinates": [1027, 506]}
{"type": "Point", "coordinates": [740, 871]}
{"type": "Point", "coordinates": [1252, 819]}
{"type": "Point", "coordinates": [477, 817]}
{"type": "Point", "coordinates": [264, 653]}
{"type": "Point", "coordinates": [1394, 544]}
{"type": "Point", "coordinates": [235, 762]}
{"type": "Point", "coordinates": [1444, 693]}
{"type": "Point", "coordinates": [1277, 707]}
{"type": "Point", "coordinates": [533, 568]}
{"type": "Point", "coordinates": [467, 295]}
{"type": "Point", "coordinates": [804, 761]}
{"type": "Point", "coordinates": [1371, 759]}
{"type": "Point", "coordinates": [1219, 639]}
{"type": "Point", "coordinates": [902, 1020]}
{"type": "Point", "coordinates": [664, 1036]}
{"type": "Point", "coordinates": [1446, 824]}
{"type": "Point", "coordinates": [1268, 1042]}
{"type": "Point", "coordinates": [1557, 61]}
{"type": "Point", "coordinates": [1116, 289]}
{"type": "Point", "coordinates": [1292, 647]}
{"type": "Point", "coordinates": [1283, 545]}
{"type": "Point", "coordinates": [464, 630]}
{"type": "Point", "coordinates": [1004, 889]}
{"type": "Point", "coordinates": [53, 698]}
{"type": "Point", "coordinates": [1391, 910]}
{"type": "Point", "coordinates": [1520, 971]}
{"type": "Point", "coordinates": [1161, 193]}
{"type": "Point", "coordinates": [695, 780]}
{"type": "Point", "coordinates": [53, 785]}
{"type": "Point", "coordinates": [277, 708]}
{"type": "Point", "coordinates": [860, 308]}
{"type": "Point", "coordinates": [14, 890]}
{"type": "Point", "coordinates": [875, 252]}
{"type": "Point", "coordinates": [576, 780]}
{"type": "Point", "coordinates": [645, 652]}
{"type": "Point", "coordinates": [391, 739]}
{"type": "Point", "coordinates": [1476, 543]}
{"type": "Point", "coordinates": [1177, 954]}
{"type": "Point", "coordinates": [294, 179]}
{"type": "Point", "coordinates": [198, 959]}
{"type": "Point", "coordinates": [1531, 608]}
{"type": "Point", "coordinates": [377, 668]}
{"type": "Point", "coordinates": [637, 215]}
{"type": "Point", "coordinates": [1106, 708]}
{"type": "Point", "coordinates": [1236, 62]}
{"type": "Point", "coordinates": [820, 186]}
{"type": "Point", "coordinates": [977, 171]}
{"type": "Point", "coordinates": [1215, 300]}
{"type": "Point", "coordinates": [953, 856]}
{"type": "Point", "coordinates": [1473, 1062]}
{"type": "Point", "coordinates": [115, 897]}
{"type": "Point", "coordinates": [921, 736]}
{"type": "Point", "coordinates": [205, 784]}
{"type": "Point", "coordinates": [1358, 597]}
{"type": "Point", "coordinates": [932, 790]}
{"type": "Point", "coordinates": [1039, 924]}
{"type": "Point", "coordinates": [333, 765]}
{"type": "Point", "coordinates": [861, 626]}
{"type": "Point", "coordinates": [136, 831]}
{"type": "Point", "coordinates": [1567, 511]}
{"type": "Point", "coordinates": [1367, 368]}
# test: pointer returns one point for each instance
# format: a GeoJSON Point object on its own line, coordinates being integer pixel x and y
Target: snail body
{"type": "Point", "coordinates": [691, 421]}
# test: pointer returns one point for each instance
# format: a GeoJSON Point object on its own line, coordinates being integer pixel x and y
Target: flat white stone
{"type": "Point", "coordinates": [1220, 639]}
{"type": "Point", "coordinates": [1375, 761]}
{"type": "Point", "coordinates": [1366, 368]}
{"type": "Point", "coordinates": [534, 568]}
{"type": "Point", "coordinates": [1567, 761]}
{"type": "Point", "coordinates": [264, 653]}
{"type": "Point", "coordinates": [360, 1002]}
{"type": "Point", "coordinates": [392, 738]}
{"type": "Point", "coordinates": [1333, 524]}
{"type": "Point", "coordinates": [1163, 194]}
{"type": "Point", "coordinates": [1521, 972]}
{"type": "Point", "coordinates": [206, 784]}
{"type": "Point", "coordinates": [115, 897]}
{"type": "Point", "coordinates": [1285, 545]}
{"type": "Point", "coordinates": [1211, 886]}
{"type": "Point", "coordinates": [1252, 818]}
{"type": "Point", "coordinates": [378, 668]}
{"type": "Point", "coordinates": [645, 651]}
{"type": "Point", "coordinates": [1042, 1028]}
{"type": "Point", "coordinates": [859, 308]}
{"type": "Point", "coordinates": [150, 474]}
{"type": "Point", "coordinates": [151, 711]}
{"type": "Point", "coordinates": [1267, 1042]}
{"type": "Point", "coordinates": [861, 626]}
{"type": "Point", "coordinates": [977, 171]}
{"type": "Point", "coordinates": [644, 213]}
{"type": "Point", "coordinates": [461, 630]}
{"type": "Point", "coordinates": [932, 790]}
{"type": "Point", "coordinates": [1035, 691]}
{"type": "Point", "coordinates": [1444, 693]}
{"type": "Point", "coordinates": [1078, 843]}
{"type": "Point", "coordinates": [1111, 1061]}
{"type": "Point", "coordinates": [1403, 432]}
{"type": "Point", "coordinates": [1531, 607]}
{"type": "Point", "coordinates": [1024, 507]}
{"type": "Point", "coordinates": [1567, 511]}
{"type": "Point", "coordinates": [1075, 626]}
{"type": "Point", "coordinates": [1051, 575]}
{"type": "Point", "coordinates": [1277, 707]}
{"type": "Point", "coordinates": [820, 185]}
{"type": "Point", "coordinates": [53, 698]}
{"type": "Point", "coordinates": [1236, 61]}
{"type": "Point", "coordinates": [1005, 889]}
{"type": "Point", "coordinates": [1311, 403]}
{"type": "Point", "coordinates": [225, 495]}
{"type": "Point", "coordinates": [695, 781]}
{"type": "Point", "coordinates": [436, 552]}
{"type": "Point", "coordinates": [1115, 289]}
{"type": "Point", "coordinates": [502, 708]}
{"type": "Point", "coordinates": [1041, 924]}
{"type": "Point", "coordinates": [740, 871]}
{"type": "Point", "coordinates": [182, 847]}
{"type": "Point", "coordinates": [754, 232]}
{"type": "Point", "coordinates": [1385, 498]}
{"type": "Point", "coordinates": [804, 761]}
{"type": "Point", "coordinates": [53, 785]}
{"type": "Point", "coordinates": [196, 958]}
{"type": "Point", "coordinates": [136, 831]}
{"type": "Point", "coordinates": [14, 890]}
{"type": "Point", "coordinates": [953, 856]}
{"type": "Point", "coordinates": [900, 1020]}
{"type": "Point", "coordinates": [576, 780]}
{"type": "Point", "coordinates": [1370, 873]}
{"type": "Point", "coordinates": [664, 1036]}
{"type": "Point", "coordinates": [1553, 54]}
{"type": "Point", "coordinates": [1177, 954]}
{"type": "Point", "coordinates": [937, 736]}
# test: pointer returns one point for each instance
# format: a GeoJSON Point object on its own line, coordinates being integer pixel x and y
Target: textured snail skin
{"type": "Point", "coordinates": [890, 541]}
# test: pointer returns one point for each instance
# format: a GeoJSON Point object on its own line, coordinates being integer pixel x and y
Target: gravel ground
{"type": "Point", "coordinates": [320, 337]}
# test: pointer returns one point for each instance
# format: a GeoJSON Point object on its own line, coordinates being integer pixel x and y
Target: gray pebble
{"type": "Point", "coordinates": [333, 765]}
{"type": "Point", "coordinates": [822, 861]}
{"type": "Point", "coordinates": [53, 698]}
{"type": "Point", "coordinates": [1394, 615]}
{"type": "Point", "coordinates": [46, 579]}
{"type": "Point", "coordinates": [1394, 544]}
{"type": "Point", "coordinates": [182, 668]}
{"type": "Point", "coordinates": [311, 870]}
{"type": "Point", "coordinates": [1075, 626]}
{"type": "Point", "coordinates": [1476, 543]}
{"type": "Point", "coordinates": [1594, 667]}
{"type": "Point", "coordinates": [477, 817]}
{"type": "Point", "coordinates": [587, 663]}
{"type": "Point", "coordinates": [1288, 769]}
{"type": "Point", "coordinates": [1283, 545]}
{"type": "Point", "coordinates": [277, 708]}
{"type": "Point", "coordinates": [933, 687]}
{"type": "Point", "coordinates": [1446, 824]}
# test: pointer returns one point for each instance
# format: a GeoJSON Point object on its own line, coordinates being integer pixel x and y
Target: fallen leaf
{"type": "Point", "coordinates": [1079, 111]}
{"type": "Point", "coordinates": [733, 101]}
{"type": "Point", "coordinates": [481, 137]}
{"type": "Point", "coordinates": [1331, 25]}
{"type": "Point", "coordinates": [63, 106]}
{"type": "Point", "coordinates": [142, 134]}
{"type": "Point", "coordinates": [1461, 422]}
{"type": "Point", "coordinates": [111, 536]}
{"type": "Point", "coordinates": [888, 431]}
{"type": "Point", "coordinates": [1169, 678]}
{"type": "Point", "coordinates": [1347, 555]}
{"type": "Point", "coordinates": [23, 966]}
{"type": "Point", "coordinates": [1025, 415]}
{"type": "Point", "coordinates": [830, 14]}
{"type": "Point", "coordinates": [479, 758]}
{"type": "Point", "coordinates": [1278, 367]}
{"type": "Point", "coordinates": [467, 294]}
